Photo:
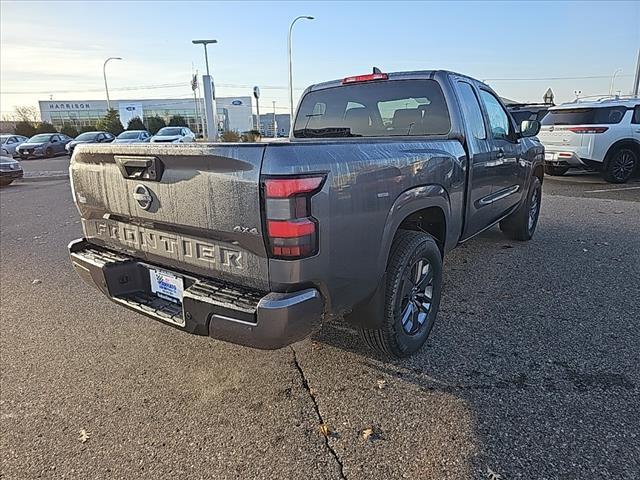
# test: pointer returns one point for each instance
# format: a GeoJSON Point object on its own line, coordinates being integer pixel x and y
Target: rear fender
{"type": "Point", "coordinates": [370, 313]}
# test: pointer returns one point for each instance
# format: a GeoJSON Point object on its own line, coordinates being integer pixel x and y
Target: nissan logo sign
{"type": "Point", "coordinates": [142, 195]}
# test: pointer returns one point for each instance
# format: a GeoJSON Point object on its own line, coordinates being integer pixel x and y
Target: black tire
{"type": "Point", "coordinates": [48, 153]}
{"type": "Point", "coordinates": [621, 164]}
{"type": "Point", "coordinates": [521, 224]}
{"type": "Point", "coordinates": [395, 337]}
{"type": "Point", "coordinates": [555, 171]}
{"type": "Point", "coordinates": [5, 181]}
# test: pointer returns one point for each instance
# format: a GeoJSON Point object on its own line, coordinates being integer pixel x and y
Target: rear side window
{"type": "Point", "coordinates": [472, 111]}
{"type": "Point", "coordinates": [380, 109]}
{"type": "Point", "coordinates": [636, 115]}
{"type": "Point", "coordinates": [585, 116]}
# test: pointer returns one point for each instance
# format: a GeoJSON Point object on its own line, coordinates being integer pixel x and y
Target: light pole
{"type": "Point", "coordinates": [256, 94]}
{"type": "Point", "coordinates": [613, 79]}
{"type": "Point", "coordinates": [209, 94]}
{"type": "Point", "coordinates": [275, 124]}
{"type": "Point", "coordinates": [305, 17]}
{"type": "Point", "coordinates": [104, 74]}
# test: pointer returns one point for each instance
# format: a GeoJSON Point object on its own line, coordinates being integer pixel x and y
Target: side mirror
{"type": "Point", "coordinates": [54, 140]}
{"type": "Point", "coordinates": [529, 128]}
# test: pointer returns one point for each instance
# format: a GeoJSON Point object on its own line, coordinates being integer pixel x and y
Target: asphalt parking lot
{"type": "Point", "coordinates": [531, 371]}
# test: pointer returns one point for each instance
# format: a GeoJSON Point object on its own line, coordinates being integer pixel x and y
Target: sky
{"type": "Point", "coordinates": [56, 49]}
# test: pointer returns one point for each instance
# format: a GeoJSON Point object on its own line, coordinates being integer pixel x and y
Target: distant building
{"type": "Point", "coordinates": [234, 113]}
{"type": "Point", "coordinates": [283, 122]}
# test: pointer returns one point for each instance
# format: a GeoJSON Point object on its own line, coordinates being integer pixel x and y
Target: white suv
{"type": "Point", "coordinates": [602, 135]}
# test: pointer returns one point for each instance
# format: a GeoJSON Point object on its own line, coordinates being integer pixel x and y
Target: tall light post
{"type": "Point", "coordinates": [104, 74]}
{"type": "Point", "coordinates": [209, 94]}
{"type": "Point", "coordinates": [613, 79]}
{"type": "Point", "coordinates": [301, 17]}
{"type": "Point", "coordinates": [275, 124]}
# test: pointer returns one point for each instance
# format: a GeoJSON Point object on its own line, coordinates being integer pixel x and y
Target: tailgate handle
{"type": "Point", "coordinates": [140, 168]}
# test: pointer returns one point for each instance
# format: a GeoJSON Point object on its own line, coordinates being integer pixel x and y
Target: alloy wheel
{"type": "Point", "coordinates": [623, 165]}
{"type": "Point", "coordinates": [417, 296]}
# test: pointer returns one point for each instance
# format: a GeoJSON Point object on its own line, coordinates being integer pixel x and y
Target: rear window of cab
{"type": "Point", "coordinates": [585, 116]}
{"type": "Point", "coordinates": [375, 109]}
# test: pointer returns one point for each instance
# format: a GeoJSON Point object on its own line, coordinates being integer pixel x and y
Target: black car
{"type": "Point", "coordinates": [528, 111]}
{"type": "Point", "coordinates": [89, 137]}
{"type": "Point", "coordinates": [10, 170]}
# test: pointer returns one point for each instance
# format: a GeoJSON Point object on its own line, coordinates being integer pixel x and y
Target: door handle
{"type": "Point", "coordinates": [144, 168]}
{"type": "Point", "coordinates": [500, 153]}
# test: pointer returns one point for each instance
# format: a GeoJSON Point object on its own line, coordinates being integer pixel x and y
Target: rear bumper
{"type": "Point", "coordinates": [566, 157]}
{"type": "Point", "coordinates": [265, 320]}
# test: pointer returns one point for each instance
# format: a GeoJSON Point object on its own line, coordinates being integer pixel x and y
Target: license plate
{"type": "Point", "coordinates": [549, 156]}
{"type": "Point", "coordinates": [166, 285]}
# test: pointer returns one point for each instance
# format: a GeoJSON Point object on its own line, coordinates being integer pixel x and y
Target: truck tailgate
{"type": "Point", "coordinates": [192, 207]}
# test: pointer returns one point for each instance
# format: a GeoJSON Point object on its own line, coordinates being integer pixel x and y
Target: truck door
{"type": "Point", "coordinates": [479, 212]}
{"type": "Point", "coordinates": [505, 156]}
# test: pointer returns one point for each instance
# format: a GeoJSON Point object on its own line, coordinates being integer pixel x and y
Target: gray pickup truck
{"type": "Point", "coordinates": [259, 243]}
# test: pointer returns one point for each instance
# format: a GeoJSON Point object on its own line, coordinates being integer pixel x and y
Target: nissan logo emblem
{"type": "Point", "coordinates": [143, 197]}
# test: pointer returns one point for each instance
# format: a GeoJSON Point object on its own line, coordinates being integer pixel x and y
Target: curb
{"type": "Point", "coordinates": [44, 178]}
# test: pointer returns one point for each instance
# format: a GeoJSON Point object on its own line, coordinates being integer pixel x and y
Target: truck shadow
{"type": "Point", "coordinates": [535, 337]}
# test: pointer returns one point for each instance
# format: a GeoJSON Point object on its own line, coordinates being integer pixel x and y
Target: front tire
{"type": "Point", "coordinates": [48, 153]}
{"type": "Point", "coordinates": [521, 224]}
{"type": "Point", "coordinates": [621, 165]}
{"type": "Point", "coordinates": [555, 171]}
{"type": "Point", "coordinates": [412, 295]}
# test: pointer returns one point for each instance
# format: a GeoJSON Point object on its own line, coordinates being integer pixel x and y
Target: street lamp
{"type": "Point", "coordinates": [204, 43]}
{"type": "Point", "coordinates": [104, 74]}
{"type": "Point", "coordinates": [613, 79]}
{"type": "Point", "coordinates": [305, 17]}
{"type": "Point", "coordinates": [209, 94]}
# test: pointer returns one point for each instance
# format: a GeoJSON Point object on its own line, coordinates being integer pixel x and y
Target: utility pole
{"type": "Point", "coordinates": [194, 87]}
{"type": "Point", "coordinates": [636, 82]}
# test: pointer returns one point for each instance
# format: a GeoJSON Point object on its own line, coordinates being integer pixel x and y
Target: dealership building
{"type": "Point", "coordinates": [234, 113]}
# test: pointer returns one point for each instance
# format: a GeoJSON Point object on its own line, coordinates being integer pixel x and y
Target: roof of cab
{"type": "Point", "coordinates": [416, 74]}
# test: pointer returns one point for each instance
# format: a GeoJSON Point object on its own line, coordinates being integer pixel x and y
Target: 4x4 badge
{"type": "Point", "coordinates": [143, 196]}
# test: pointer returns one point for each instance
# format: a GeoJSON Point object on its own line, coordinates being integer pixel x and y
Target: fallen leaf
{"type": "Point", "coordinates": [324, 430]}
{"type": "Point", "coordinates": [372, 433]}
{"type": "Point", "coordinates": [84, 435]}
{"type": "Point", "coordinates": [381, 383]}
{"type": "Point", "coordinates": [37, 281]}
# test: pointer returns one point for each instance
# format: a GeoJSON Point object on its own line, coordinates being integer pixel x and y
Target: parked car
{"type": "Point", "coordinates": [528, 111]}
{"type": "Point", "coordinates": [10, 170]}
{"type": "Point", "coordinates": [174, 135]}
{"type": "Point", "coordinates": [43, 145]}
{"type": "Point", "coordinates": [602, 135]}
{"type": "Point", "coordinates": [89, 137]}
{"type": "Point", "coordinates": [10, 143]}
{"type": "Point", "coordinates": [258, 243]}
{"type": "Point", "coordinates": [133, 136]}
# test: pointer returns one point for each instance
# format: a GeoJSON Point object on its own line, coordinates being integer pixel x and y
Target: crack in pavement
{"type": "Point", "coordinates": [305, 384]}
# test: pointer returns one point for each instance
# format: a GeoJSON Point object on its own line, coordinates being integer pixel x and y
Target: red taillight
{"type": "Point", "coordinates": [588, 129]}
{"type": "Point", "coordinates": [291, 230]}
{"type": "Point", "coordinates": [366, 78]}
{"type": "Point", "coordinates": [288, 187]}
